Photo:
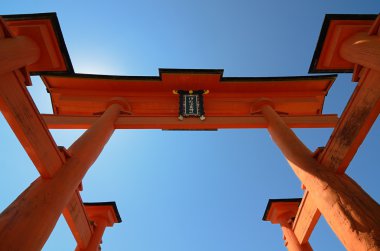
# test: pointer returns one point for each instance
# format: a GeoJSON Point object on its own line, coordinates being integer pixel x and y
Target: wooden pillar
{"type": "Point", "coordinates": [102, 215]}
{"type": "Point", "coordinates": [283, 212]}
{"type": "Point", "coordinates": [291, 241]}
{"type": "Point", "coordinates": [351, 213]}
{"type": "Point", "coordinates": [96, 238]}
{"type": "Point", "coordinates": [33, 215]}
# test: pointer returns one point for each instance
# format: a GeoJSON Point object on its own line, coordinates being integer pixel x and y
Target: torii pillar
{"type": "Point", "coordinates": [102, 215]}
{"type": "Point", "coordinates": [283, 212]}
{"type": "Point", "coordinates": [38, 208]}
{"type": "Point", "coordinates": [332, 56]}
{"type": "Point", "coordinates": [351, 213]}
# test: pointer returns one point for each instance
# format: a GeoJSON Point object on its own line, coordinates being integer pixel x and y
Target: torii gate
{"type": "Point", "coordinates": [33, 44]}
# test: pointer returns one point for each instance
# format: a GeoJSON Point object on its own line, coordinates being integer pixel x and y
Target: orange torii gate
{"type": "Point", "coordinates": [33, 44]}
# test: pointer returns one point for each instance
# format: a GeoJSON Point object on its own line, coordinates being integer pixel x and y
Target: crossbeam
{"type": "Point", "coordinates": [23, 117]}
{"type": "Point", "coordinates": [172, 123]}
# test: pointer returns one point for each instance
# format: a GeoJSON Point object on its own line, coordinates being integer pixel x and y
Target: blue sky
{"type": "Point", "coordinates": [168, 199]}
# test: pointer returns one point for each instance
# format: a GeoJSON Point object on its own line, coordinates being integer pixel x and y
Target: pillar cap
{"type": "Point", "coordinates": [277, 207]}
{"type": "Point", "coordinates": [335, 30]}
{"type": "Point", "coordinates": [127, 109]}
{"type": "Point", "coordinates": [44, 29]}
{"type": "Point", "coordinates": [256, 106]}
{"type": "Point", "coordinates": [105, 210]}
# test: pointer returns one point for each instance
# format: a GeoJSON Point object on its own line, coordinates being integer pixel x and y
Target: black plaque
{"type": "Point", "coordinates": [191, 104]}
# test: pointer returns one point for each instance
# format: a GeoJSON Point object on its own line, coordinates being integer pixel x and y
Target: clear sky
{"type": "Point", "coordinates": [191, 191]}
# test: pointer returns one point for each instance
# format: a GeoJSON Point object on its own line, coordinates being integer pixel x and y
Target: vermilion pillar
{"type": "Point", "coordinates": [291, 241]}
{"type": "Point", "coordinates": [96, 239]}
{"type": "Point", "coordinates": [283, 212]}
{"type": "Point", "coordinates": [352, 214]}
{"type": "Point", "coordinates": [102, 215]}
{"type": "Point", "coordinates": [35, 212]}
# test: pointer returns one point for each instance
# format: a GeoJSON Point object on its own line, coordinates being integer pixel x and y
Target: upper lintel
{"type": "Point", "coordinates": [86, 94]}
{"type": "Point", "coordinates": [190, 71]}
{"type": "Point", "coordinates": [45, 30]}
{"type": "Point", "coordinates": [335, 30]}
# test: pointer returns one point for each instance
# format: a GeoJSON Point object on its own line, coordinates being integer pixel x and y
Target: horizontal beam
{"type": "Point", "coordinates": [356, 121]}
{"type": "Point", "coordinates": [23, 117]}
{"type": "Point", "coordinates": [353, 126]}
{"type": "Point", "coordinates": [173, 123]}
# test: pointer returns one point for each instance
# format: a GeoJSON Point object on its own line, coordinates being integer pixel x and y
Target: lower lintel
{"type": "Point", "coordinates": [156, 122]}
